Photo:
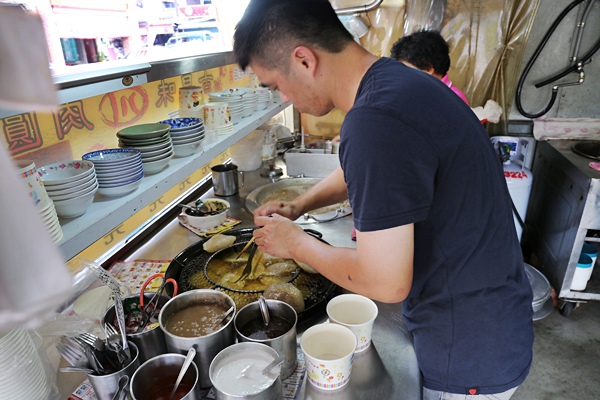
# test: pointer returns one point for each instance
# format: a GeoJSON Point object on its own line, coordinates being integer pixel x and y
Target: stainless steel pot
{"type": "Point", "coordinates": [161, 372]}
{"type": "Point", "coordinates": [285, 344]}
{"type": "Point", "coordinates": [207, 347]}
{"type": "Point", "coordinates": [150, 343]}
{"type": "Point", "coordinates": [231, 362]}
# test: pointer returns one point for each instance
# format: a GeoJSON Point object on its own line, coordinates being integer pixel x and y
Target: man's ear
{"type": "Point", "coordinates": [305, 60]}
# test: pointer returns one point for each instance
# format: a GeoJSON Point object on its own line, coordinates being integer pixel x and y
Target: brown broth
{"type": "Point", "coordinates": [194, 320]}
{"type": "Point", "coordinates": [162, 392]}
{"type": "Point", "coordinates": [255, 328]}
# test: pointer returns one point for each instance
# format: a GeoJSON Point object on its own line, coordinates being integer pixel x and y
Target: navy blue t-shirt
{"type": "Point", "coordinates": [414, 153]}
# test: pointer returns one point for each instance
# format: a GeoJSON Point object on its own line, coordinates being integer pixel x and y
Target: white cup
{"type": "Point", "coordinates": [33, 183]}
{"type": "Point", "coordinates": [328, 353]}
{"type": "Point", "coordinates": [217, 115]}
{"type": "Point", "coordinates": [191, 102]}
{"type": "Point", "coordinates": [355, 312]}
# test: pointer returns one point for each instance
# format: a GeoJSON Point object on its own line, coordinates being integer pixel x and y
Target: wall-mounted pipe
{"type": "Point", "coordinates": [359, 9]}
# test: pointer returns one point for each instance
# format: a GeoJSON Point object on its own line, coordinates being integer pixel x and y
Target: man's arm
{"type": "Point", "coordinates": [330, 190]}
{"type": "Point", "coordinates": [381, 267]}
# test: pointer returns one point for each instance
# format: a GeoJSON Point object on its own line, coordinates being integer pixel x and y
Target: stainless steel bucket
{"type": "Point", "coordinates": [229, 368]}
{"type": "Point", "coordinates": [151, 342]}
{"type": "Point", "coordinates": [207, 347]}
{"type": "Point", "coordinates": [160, 373]}
{"type": "Point", "coordinates": [105, 386]}
{"type": "Point", "coordinates": [225, 179]}
{"type": "Point", "coordinates": [285, 343]}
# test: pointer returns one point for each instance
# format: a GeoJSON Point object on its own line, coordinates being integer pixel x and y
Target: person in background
{"type": "Point", "coordinates": [429, 52]}
{"type": "Point", "coordinates": [430, 204]}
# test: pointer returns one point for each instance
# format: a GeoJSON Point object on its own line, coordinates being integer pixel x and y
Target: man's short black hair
{"type": "Point", "coordinates": [271, 29]}
{"type": "Point", "coordinates": [424, 49]}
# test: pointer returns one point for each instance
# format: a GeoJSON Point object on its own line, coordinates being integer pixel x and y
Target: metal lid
{"type": "Point", "coordinates": [539, 284]}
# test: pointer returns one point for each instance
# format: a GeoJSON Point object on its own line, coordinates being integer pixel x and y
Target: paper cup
{"type": "Point", "coordinates": [328, 353]}
{"type": "Point", "coordinates": [217, 115]}
{"type": "Point", "coordinates": [33, 183]}
{"type": "Point", "coordinates": [191, 101]}
{"type": "Point", "coordinates": [355, 312]}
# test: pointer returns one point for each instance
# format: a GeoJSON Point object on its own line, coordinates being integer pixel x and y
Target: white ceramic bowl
{"type": "Point", "coordinates": [154, 155]}
{"type": "Point", "coordinates": [159, 157]}
{"type": "Point", "coordinates": [123, 180]}
{"type": "Point", "coordinates": [65, 171]}
{"type": "Point", "coordinates": [76, 206]}
{"type": "Point", "coordinates": [61, 190]}
{"type": "Point", "coordinates": [208, 222]}
{"type": "Point", "coordinates": [85, 190]}
{"type": "Point", "coordinates": [153, 167]}
{"type": "Point", "coordinates": [83, 181]}
{"type": "Point", "coordinates": [185, 150]}
{"type": "Point", "coordinates": [187, 141]}
{"type": "Point", "coordinates": [119, 172]}
{"type": "Point", "coordinates": [120, 190]}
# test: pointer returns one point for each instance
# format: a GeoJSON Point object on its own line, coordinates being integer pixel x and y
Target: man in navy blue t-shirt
{"type": "Point", "coordinates": [430, 202]}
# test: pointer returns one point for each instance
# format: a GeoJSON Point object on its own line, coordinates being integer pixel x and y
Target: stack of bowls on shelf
{"type": "Point", "coordinates": [71, 185]}
{"type": "Point", "coordinates": [234, 101]}
{"type": "Point", "coordinates": [119, 171]}
{"type": "Point", "coordinates": [50, 218]}
{"type": "Point", "coordinates": [23, 373]}
{"type": "Point", "coordinates": [186, 135]}
{"type": "Point", "coordinates": [154, 143]}
{"type": "Point", "coordinates": [249, 99]}
{"type": "Point", "coordinates": [263, 98]}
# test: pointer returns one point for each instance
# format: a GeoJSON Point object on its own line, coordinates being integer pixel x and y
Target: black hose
{"type": "Point", "coordinates": [572, 68]}
{"type": "Point", "coordinates": [534, 57]}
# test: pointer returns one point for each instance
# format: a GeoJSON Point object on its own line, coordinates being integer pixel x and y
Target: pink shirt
{"type": "Point", "coordinates": [456, 90]}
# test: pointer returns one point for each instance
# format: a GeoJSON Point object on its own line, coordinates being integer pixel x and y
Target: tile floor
{"type": "Point", "coordinates": [566, 357]}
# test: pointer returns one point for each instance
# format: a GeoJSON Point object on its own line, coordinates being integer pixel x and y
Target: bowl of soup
{"type": "Point", "coordinates": [195, 319]}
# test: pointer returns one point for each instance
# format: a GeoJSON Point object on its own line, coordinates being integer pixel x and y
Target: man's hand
{"type": "Point", "coordinates": [278, 236]}
{"type": "Point", "coordinates": [284, 208]}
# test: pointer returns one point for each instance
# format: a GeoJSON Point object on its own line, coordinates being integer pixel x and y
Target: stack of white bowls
{"type": "Point", "coordinates": [23, 375]}
{"type": "Point", "coordinates": [71, 185]}
{"type": "Point", "coordinates": [186, 135]}
{"type": "Point", "coordinates": [154, 143]}
{"type": "Point", "coordinates": [119, 171]}
{"type": "Point", "coordinates": [236, 105]}
{"type": "Point", "coordinates": [263, 98]}
{"type": "Point", "coordinates": [249, 99]}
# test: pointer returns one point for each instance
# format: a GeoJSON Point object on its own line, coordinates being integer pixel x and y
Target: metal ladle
{"type": "Point", "coordinates": [186, 364]}
{"type": "Point", "coordinates": [264, 310]}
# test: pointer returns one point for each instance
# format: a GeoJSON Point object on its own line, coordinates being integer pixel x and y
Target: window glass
{"type": "Point", "coordinates": [81, 32]}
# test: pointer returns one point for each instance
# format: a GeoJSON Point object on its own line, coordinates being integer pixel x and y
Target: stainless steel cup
{"type": "Point", "coordinates": [284, 344]}
{"type": "Point", "coordinates": [225, 179]}
{"type": "Point", "coordinates": [150, 343]}
{"type": "Point", "coordinates": [207, 347]}
{"type": "Point", "coordinates": [161, 372]}
{"type": "Point", "coordinates": [105, 386]}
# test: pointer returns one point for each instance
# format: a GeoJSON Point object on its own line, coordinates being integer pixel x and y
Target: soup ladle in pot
{"type": "Point", "coordinates": [186, 364]}
{"type": "Point", "coordinates": [264, 310]}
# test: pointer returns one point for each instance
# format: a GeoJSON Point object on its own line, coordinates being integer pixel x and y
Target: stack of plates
{"type": "Point", "coordinates": [154, 143]}
{"type": "Point", "coordinates": [234, 101]}
{"type": "Point", "coordinates": [186, 135]}
{"type": "Point", "coordinates": [48, 214]}
{"type": "Point", "coordinates": [263, 98]}
{"type": "Point", "coordinates": [249, 99]}
{"type": "Point", "coordinates": [71, 185]}
{"type": "Point", "coordinates": [119, 171]}
{"type": "Point", "coordinates": [23, 374]}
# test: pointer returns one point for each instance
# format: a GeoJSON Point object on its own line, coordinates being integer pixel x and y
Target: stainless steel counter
{"type": "Point", "coordinates": [387, 370]}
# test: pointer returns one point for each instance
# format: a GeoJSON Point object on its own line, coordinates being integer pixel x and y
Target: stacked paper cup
{"type": "Point", "coordinates": [217, 116]}
{"type": "Point", "coordinates": [32, 181]}
{"type": "Point", "coordinates": [191, 102]}
{"type": "Point", "coordinates": [23, 374]}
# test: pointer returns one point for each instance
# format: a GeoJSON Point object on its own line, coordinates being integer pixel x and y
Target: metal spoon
{"type": "Point", "coordinates": [202, 206]}
{"type": "Point", "coordinates": [264, 310]}
{"type": "Point", "coordinates": [122, 390]}
{"type": "Point", "coordinates": [273, 364]}
{"type": "Point", "coordinates": [227, 314]}
{"type": "Point", "coordinates": [188, 360]}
